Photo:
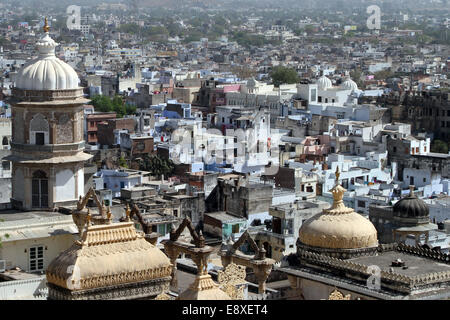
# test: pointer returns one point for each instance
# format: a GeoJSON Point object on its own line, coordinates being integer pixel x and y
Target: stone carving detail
{"type": "Point", "coordinates": [64, 131]}
{"type": "Point", "coordinates": [163, 296]}
{"type": "Point", "coordinates": [337, 295]}
{"type": "Point", "coordinates": [39, 123]}
{"type": "Point", "coordinates": [18, 126]}
{"type": "Point", "coordinates": [232, 281]}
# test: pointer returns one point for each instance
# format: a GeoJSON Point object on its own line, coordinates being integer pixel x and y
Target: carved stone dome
{"type": "Point", "coordinates": [108, 255]}
{"type": "Point", "coordinates": [46, 72]}
{"type": "Point", "coordinates": [324, 83]}
{"type": "Point", "coordinates": [349, 84]}
{"type": "Point", "coordinates": [338, 227]}
{"type": "Point", "coordinates": [411, 207]}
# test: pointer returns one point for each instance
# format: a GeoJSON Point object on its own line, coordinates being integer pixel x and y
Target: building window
{"type": "Point", "coordinates": [395, 149]}
{"type": "Point", "coordinates": [40, 138]}
{"type": "Point", "coordinates": [424, 179]}
{"type": "Point", "coordinates": [417, 149]}
{"type": "Point", "coordinates": [39, 190]}
{"type": "Point", "coordinates": [235, 228]}
{"type": "Point", "coordinates": [122, 184]}
{"type": "Point", "coordinates": [162, 229]}
{"type": "Point", "coordinates": [39, 130]}
{"type": "Point", "coordinates": [6, 165]}
{"type": "Point", "coordinates": [361, 204]}
{"type": "Point", "coordinates": [36, 258]}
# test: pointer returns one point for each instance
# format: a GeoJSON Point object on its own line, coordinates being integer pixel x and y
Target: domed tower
{"type": "Point", "coordinates": [339, 231]}
{"type": "Point", "coordinates": [47, 132]}
{"type": "Point", "coordinates": [411, 215]}
{"type": "Point", "coordinates": [323, 83]}
{"type": "Point", "coordinates": [349, 84]}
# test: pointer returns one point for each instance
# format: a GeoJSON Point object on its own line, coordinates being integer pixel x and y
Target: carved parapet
{"type": "Point", "coordinates": [424, 252]}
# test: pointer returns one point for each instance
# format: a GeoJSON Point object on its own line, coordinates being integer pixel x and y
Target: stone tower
{"type": "Point", "coordinates": [47, 132]}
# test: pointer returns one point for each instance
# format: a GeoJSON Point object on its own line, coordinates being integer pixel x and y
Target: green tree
{"type": "Point", "coordinates": [123, 162]}
{"type": "Point", "coordinates": [116, 104]}
{"type": "Point", "coordinates": [281, 75]}
{"type": "Point", "coordinates": [383, 74]}
{"type": "Point", "coordinates": [157, 166]}
{"type": "Point", "coordinates": [439, 146]}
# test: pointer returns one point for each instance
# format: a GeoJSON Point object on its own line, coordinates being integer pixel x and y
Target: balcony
{"type": "Point", "coordinates": [52, 148]}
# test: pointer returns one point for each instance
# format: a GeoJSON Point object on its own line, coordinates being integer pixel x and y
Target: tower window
{"type": "Point", "coordinates": [40, 138]}
{"type": "Point", "coordinates": [39, 190]}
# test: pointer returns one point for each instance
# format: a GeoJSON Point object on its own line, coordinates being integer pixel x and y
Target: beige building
{"type": "Point", "coordinates": [31, 240]}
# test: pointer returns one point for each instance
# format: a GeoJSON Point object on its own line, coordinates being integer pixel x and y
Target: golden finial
{"type": "Point", "coordinates": [337, 174]}
{"type": "Point", "coordinates": [46, 27]}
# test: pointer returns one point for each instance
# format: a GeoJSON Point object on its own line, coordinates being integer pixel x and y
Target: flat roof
{"type": "Point", "coordinates": [416, 265]}
{"type": "Point", "coordinates": [224, 217]}
{"type": "Point", "coordinates": [16, 215]}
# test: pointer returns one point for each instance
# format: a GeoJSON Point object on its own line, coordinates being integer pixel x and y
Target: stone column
{"type": "Point", "coordinates": [172, 253]}
{"type": "Point", "coordinates": [262, 273]}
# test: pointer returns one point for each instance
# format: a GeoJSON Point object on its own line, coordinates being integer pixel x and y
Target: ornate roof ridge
{"type": "Point", "coordinates": [424, 252]}
{"type": "Point", "coordinates": [110, 233]}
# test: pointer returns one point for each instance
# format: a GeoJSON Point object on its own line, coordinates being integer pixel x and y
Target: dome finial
{"type": "Point", "coordinates": [46, 27]}
{"type": "Point", "coordinates": [411, 190]}
{"type": "Point", "coordinates": [337, 174]}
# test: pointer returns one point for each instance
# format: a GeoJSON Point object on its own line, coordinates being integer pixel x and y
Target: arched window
{"type": "Point", "coordinates": [5, 141]}
{"type": "Point", "coordinates": [39, 130]}
{"type": "Point", "coordinates": [39, 189]}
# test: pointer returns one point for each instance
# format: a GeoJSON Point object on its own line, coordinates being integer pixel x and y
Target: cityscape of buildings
{"type": "Point", "coordinates": [193, 150]}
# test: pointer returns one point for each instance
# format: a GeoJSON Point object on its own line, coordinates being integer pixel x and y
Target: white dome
{"type": "Point", "coordinates": [324, 83]}
{"type": "Point", "coordinates": [47, 72]}
{"type": "Point", "coordinates": [349, 84]}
